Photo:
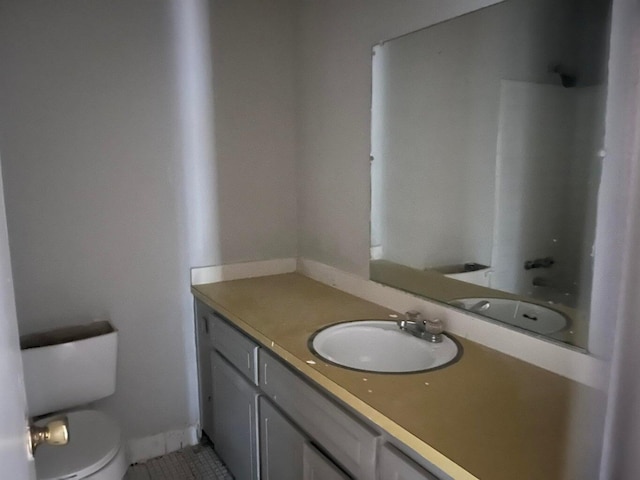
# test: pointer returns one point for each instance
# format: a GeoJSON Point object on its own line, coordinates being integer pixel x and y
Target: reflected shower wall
{"type": "Point", "coordinates": [544, 163]}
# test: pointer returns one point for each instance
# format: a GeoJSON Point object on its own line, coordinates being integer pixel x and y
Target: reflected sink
{"type": "Point", "coordinates": [380, 346]}
{"type": "Point", "coordinates": [529, 316]}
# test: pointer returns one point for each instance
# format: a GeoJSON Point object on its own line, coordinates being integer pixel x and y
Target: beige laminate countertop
{"type": "Point", "coordinates": [488, 416]}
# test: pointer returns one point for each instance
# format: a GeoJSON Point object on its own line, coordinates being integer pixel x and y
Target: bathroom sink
{"type": "Point", "coordinates": [529, 316]}
{"type": "Point", "coordinates": [380, 346]}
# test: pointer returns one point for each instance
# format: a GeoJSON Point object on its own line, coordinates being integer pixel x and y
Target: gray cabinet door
{"type": "Point", "coordinates": [234, 418]}
{"type": "Point", "coordinates": [204, 317]}
{"type": "Point", "coordinates": [348, 440]}
{"type": "Point", "coordinates": [318, 467]}
{"type": "Point", "coordinates": [280, 445]}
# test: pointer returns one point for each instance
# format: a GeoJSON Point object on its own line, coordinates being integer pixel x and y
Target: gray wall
{"type": "Point", "coordinates": [119, 175]}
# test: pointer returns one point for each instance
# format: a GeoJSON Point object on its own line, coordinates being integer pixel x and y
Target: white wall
{"type": "Point", "coordinates": [254, 129]}
{"type": "Point", "coordinates": [89, 135]}
{"type": "Point", "coordinates": [14, 455]}
{"type": "Point", "coordinates": [617, 263]}
{"type": "Point", "coordinates": [119, 176]}
{"type": "Point", "coordinates": [334, 86]}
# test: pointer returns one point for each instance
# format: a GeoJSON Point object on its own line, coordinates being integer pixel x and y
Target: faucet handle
{"type": "Point", "coordinates": [414, 316]}
{"type": "Point", "coordinates": [434, 327]}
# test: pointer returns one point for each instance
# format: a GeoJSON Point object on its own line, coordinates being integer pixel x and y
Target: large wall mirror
{"type": "Point", "coordinates": [487, 132]}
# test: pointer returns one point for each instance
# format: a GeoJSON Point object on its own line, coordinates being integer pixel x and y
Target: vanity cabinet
{"type": "Point", "coordinates": [270, 423]}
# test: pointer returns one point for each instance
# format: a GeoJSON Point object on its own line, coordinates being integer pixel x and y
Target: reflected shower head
{"type": "Point", "coordinates": [566, 79]}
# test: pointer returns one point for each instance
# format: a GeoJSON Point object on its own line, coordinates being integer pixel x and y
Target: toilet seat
{"type": "Point", "coordinates": [94, 440]}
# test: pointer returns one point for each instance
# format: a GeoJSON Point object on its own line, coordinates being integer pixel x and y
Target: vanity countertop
{"type": "Point", "coordinates": [488, 416]}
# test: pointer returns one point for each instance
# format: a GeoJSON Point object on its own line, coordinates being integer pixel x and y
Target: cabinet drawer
{"type": "Point", "coordinates": [395, 465]}
{"type": "Point", "coordinates": [350, 442]}
{"type": "Point", "coordinates": [235, 347]}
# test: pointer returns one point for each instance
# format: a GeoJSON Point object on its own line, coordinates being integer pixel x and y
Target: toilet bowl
{"type": "Point", "coordinates": [64, 369]}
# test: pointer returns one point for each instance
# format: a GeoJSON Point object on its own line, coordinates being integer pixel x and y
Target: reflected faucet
{"type": "Point", "coordinates": [481, 306]}
{"type": "Point", "coordinates": [542, 282]}
{"type": "Point", "coordinates": [546, 262]}
{"type": "Point", "coordinates": [430, 330]}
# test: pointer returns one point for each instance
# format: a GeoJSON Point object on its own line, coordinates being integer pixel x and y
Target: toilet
{"type": "Point", "coordinates": [64, 370]}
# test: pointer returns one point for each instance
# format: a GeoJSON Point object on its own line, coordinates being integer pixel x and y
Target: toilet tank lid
{"type": "Point", "coordinates": [62, 335]}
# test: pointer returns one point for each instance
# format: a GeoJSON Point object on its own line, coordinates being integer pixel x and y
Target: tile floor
{"type": "Point", "coordinates": [199, 462]}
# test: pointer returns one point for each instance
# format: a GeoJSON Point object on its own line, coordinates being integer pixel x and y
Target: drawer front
{"type": "Point", "coordinates": [395, 465]}
{"type": "Point", "coordinates": [235, 347]}
{"type": "Point", "coordinates": [350, 442]}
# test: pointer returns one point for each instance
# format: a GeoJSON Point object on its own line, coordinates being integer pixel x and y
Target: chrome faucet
{"type": "Point", "coordinates": [430, 330]}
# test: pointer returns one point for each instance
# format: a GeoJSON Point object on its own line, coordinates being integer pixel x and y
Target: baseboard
{"type": "Point", "coordinates": [235, 271]}
{"type": "Point", "coordinates": [145, 448]}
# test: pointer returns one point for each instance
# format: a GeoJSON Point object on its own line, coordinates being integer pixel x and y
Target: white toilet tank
{"type": "Point", "coordinates": [69, 367]}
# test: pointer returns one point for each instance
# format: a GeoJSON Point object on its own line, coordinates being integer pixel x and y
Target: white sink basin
{"type": "Point", "coordinates": [380, 346]}
{"type": "Point", "coordinates": [529, 316]}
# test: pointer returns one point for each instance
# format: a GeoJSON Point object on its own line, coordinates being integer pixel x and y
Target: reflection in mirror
{"type": "Point", "coordinates": [487, 132]}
